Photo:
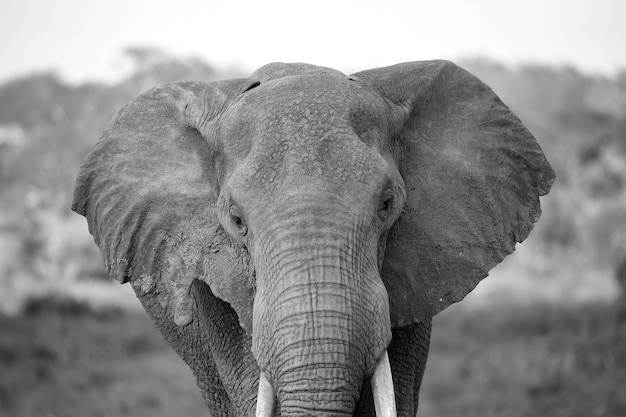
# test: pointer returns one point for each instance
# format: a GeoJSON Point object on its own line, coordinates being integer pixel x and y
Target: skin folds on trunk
{"type": "Point", "coordinates": [381, 383]}
{"type": "Point", "coordinates": [321, 319]}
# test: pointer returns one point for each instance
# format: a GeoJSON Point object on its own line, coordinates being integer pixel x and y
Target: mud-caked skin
{"type": "Point", "coordinates": [303, 224]}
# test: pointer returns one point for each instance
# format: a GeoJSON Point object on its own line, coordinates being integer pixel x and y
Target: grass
{"type": "Point", "coordinates": [63, 359]}
{"type": "Point", "coordinates": [545, 360]}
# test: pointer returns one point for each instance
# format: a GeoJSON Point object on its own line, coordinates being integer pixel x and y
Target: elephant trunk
{"type": "Point", "coordinates": [319, 378]}
{"type": "Point", "coordinates": [382, 392]}
{"type": "Point", "coordinates": [321, 319]}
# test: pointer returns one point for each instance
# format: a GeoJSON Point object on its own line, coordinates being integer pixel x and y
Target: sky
{"type": "Point", "coordinates": [83, 40]}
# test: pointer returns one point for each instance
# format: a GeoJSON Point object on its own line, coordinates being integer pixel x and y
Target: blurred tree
{"type": "Point", "coordinates": [153, 66]}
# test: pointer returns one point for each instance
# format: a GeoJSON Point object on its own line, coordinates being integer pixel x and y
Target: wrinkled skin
{"type": "Point", "coordinates": [301, 224]}
{"type": "Point", "coordinates": [316, 201]}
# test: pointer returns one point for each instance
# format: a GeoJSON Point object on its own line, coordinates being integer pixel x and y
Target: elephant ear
{"type": "Point", "coordinates": [148, 190]}
{"type": "Point", "coordinates": [473, 176]}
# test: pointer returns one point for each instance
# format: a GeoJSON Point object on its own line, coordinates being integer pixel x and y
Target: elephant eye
{"type": "Point", "coordinates": [240, 226]}
{"type": "Point", "coordinates": [386, 205]}
{"type": "Point", "coordinates": [238, 222]}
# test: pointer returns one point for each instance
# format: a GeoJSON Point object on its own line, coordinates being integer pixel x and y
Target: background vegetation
{"type": "Point", "coordinates": [546, 335]}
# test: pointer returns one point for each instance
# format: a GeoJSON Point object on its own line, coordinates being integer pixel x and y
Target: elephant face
{"type": "Point", "coordinates": [309, 192]}
{"type": "Point", "coordinates": [324, 209]}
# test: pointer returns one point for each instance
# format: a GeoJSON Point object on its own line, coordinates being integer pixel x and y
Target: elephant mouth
{"type": "Point", "coordinates": [382, 391]}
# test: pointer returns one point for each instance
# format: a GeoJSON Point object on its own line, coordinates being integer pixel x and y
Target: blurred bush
{"type": "Point", "coordinates": [63, 305]}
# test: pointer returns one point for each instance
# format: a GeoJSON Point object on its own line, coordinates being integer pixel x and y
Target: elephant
{"type": "Point", "coordinates": [293, 233]}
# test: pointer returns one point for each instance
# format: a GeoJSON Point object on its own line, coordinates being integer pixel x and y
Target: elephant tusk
{"type": "Point", "coordinates": [382, 389]}
{"type": "Point", "coordinates": [266, 399]}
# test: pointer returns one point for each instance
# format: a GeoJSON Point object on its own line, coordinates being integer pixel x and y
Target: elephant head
{"type": "Point", "coordinates": [325, 209]}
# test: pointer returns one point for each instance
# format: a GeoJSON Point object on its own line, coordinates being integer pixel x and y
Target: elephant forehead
{"type": "Point", "coordinates": [313, 134]}
{"type": "Point", "coordinates": [327, 162]}
{"type": "Point", "coordinates": [311, 107]}
{"type": "Point", "coordinates": [315, 118]}
{"type": "Point", "coordinates": [315, 153]}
